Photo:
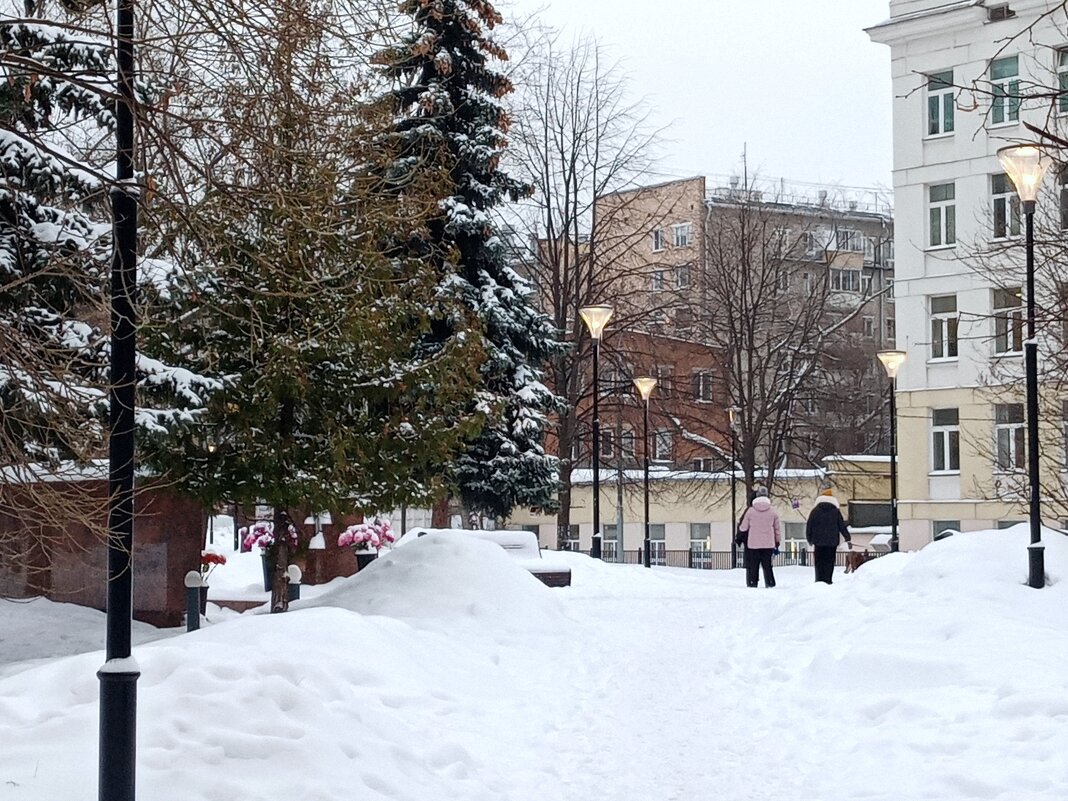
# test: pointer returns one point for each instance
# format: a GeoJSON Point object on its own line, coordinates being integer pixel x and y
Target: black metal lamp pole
{"type": "Point", "coordinates": [596, 318]}
{"type": "Point", "coordinates": [892, 361]}
{"type": "Point", "coordinates": [1036, 572]}
{"type": "Point", "coordinates": [732, 417]}
{"type": "Point", "coordinates": [118, 677]}
{"type": "Point", "coordinates": [1026, 165]}
{"type": "Point", "coordinates": [595, 549]}
{"type": "Point", "coordinates": [645, 388]}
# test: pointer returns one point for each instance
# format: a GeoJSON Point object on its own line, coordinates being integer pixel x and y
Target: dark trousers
{"type": "Point", "coordinates": [755, 559]}
{"type": "Point", "coordinates": [824, 556]}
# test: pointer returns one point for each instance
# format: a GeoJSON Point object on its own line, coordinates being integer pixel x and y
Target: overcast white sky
{"type": "Point", "coordinates": [796, 82]}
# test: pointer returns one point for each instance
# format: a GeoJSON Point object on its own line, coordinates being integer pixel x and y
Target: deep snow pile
{"type": "Point", "coordinates": [935, 675]}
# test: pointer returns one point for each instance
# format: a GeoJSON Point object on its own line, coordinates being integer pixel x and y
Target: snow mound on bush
{"type": "Point", "coordinates": [448, 576]}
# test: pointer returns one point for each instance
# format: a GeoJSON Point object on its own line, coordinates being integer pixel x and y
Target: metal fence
{"type": "Point", "coordinates": [725, 560]}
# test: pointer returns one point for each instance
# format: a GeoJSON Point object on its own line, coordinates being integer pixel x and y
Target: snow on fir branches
{"type": "Point", "coordinates": [446, 92]}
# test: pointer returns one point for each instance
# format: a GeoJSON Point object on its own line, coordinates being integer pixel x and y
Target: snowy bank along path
{"type": "Point", "coordinates": [446, 672]}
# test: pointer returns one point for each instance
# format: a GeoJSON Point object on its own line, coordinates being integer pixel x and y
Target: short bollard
{"type": "Point", "coordinates": [1036, 565]}
{"type": "Point", "coordinates": [193, 582]}
{"type": "Point", "coordinates": [294, 575]}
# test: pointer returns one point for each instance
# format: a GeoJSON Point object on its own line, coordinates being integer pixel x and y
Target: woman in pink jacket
{"type": "Point", "coordinates": [761, 530]}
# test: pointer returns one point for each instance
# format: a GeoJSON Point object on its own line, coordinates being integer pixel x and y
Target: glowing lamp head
{"type": "Point", "coordinates": [645, 386]}
{"type": "Point", "coordinates": [892, 361]}
{"type": "Point", "coordinates": [1026, 166]}
{"type": "Point", "coordinates": [596, 318]}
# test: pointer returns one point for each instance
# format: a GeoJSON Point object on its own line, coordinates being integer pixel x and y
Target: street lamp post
{"type": "Point", "coordinates": [596, 318]}
{"type": "Point", "coordinates": [645, 388]}
{"type": "Point", "coordinates": [732, 416]}
{"type": "Point", "coordinates": [892, 361]}
{"type": "Point", "coordinates": [1026, 165]}
{"type": "Point", "coordinates": [119, 674]}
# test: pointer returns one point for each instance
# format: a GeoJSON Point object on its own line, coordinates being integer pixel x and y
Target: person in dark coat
{"type": "Point", "coordinates": [823, 531]}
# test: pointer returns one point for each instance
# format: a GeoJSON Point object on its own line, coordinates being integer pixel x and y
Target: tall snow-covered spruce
{"type": "Point", "coordinates": [447, 96]}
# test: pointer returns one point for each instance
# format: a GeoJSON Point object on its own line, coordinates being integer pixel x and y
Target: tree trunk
{"type": "Point", "coordinates": [439, 513]}
{"type": "Point", "coordinates": [279, 556]}
{"type": "Point", "coordinates": [563, 516]}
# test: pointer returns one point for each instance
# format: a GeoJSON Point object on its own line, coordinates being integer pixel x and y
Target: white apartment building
{"type": "Point", "coordinates": [961, 431]}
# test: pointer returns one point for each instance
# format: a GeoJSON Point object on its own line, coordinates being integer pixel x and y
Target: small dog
{"type": "Point", "coordinates": [855, 559]}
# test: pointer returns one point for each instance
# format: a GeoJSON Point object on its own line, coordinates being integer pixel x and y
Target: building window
{"type": "Point", "coordinates": [781, 240]}
{"type": "Point", "coordinates": [682, 276]}
{"type": "Point", "coordinates": [702, 385]}
{"type": "Point", "coordinates": [1062, 81]}
{"type": "Point", "coordinates": [657, 548]}
{"type": "Point", "coordinates": [1062, 182]}
{"type": "Point", "coordinates": [704, 465]}
{"type": "Point", "coordinates": [626, 443]}
{"type": "Point", "coordinates": [609, 542]}
{"type": "Point", "coordinates": [815, 242]}
{"type": "Point", "coordinates": [662, 443]}
{"type": "Point", "coordinates": [656, 280]}
{"type": "Point", "coordinates": [945, 440]}
{"type": "Point", "coordinates": [1008, 321]}
{"type": "Point", "coordinates": [665, 380]}
{"type": "Point", "coordinates": [658, 240]}
{"type": "Point", "coordinates": [845, 280]}
{"type": "Point", "coordinates": [683, 318]}
{"type": "Point", "coordinates": [940, 526]}
{"type": "Point", "coordinates": [865, 284]}
{"type": "Point", "coordinates": [571, 539]}
{"type": "Point", "coordinates": [940, 103]}
{"type": "Point", "coordinates": [869, 327]}
{"type": "Point", "coordinates": [889, 288]}
{"type": "Point", "coordinates": [944, 323]}
{"type": "Point", "coordinates": [891, 328]}
{"type": "Point", "coordinates": [782, 281]}
{"type": "Point", "coordinates": [1064, 432]}
{"type": "Point", "coordinates": [1005, 89]}
{"type": "Point", "coordinates": [1009, 432]}
{"type": "Point", "coordinates": [608, 443]}
{"type": "Point", "coordinates": [850, 240]}
{"type": "Point", "coordinates": [869, 249]}
{"type": "Point", "coordinates": [887, 252]}
{"type": "Point", "coordinates": [806, 283]}
{"type": "Point", "coordinates": [1006, 206]}
{"type": "Point", "coordinates": [700, 537]}
{"type": "Point", "coordinates": [683, 235]}
{"type": "Point", "coordinates": [942, 211]}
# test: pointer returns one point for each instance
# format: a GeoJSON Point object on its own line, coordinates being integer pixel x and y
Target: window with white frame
{"type": "Point", "coordinates": [682, 276]}
{"type": "Point", "coordinates": [782, 280]}
{"type": "Point", "coordinates": [662, 445]}
{"type": "Point", "coordinates": [683, 235]}
{"type": "Point", "coordinates": [1005, 90]}
{"type": "Point", "coordinates": [700, 536]}
{"type": "Point", "coordinates": [891, 328]}
{"type": "Point", "coordinates": [889, 288]}
{"type": "Point", "coordinates": [845, 280]}
{"type": "Point", "coordinates": [940, 103]}
{"type": "Point", "coordinates": [570, 541]}
{"type": "Point", "coordinates": [1062, 80]}
{"type": "Point", "coordinates": [658, 239]}
{"type": "Point", "coordinates": [1062, 185]}
{"type": "Point", "coordinates": [806, 283]}
{"type": "Point", "coordinates": [850, 240]}
{"type": "Point", "coordinates": [869, 327]}
{"type": "Point", "coordinates": [1009, 436]}
{"type": "Point", "coordinates": [702, 385]}
{"type": "Point", "coordinates": [886, 253]}
{"type": "Point", "coordinates": [1008, 321]}
{"type": "Point", "coordinates": [665, 380]}
{"type": "Point", "coordinates": [626, 443]}
{"type": "Point", "coordinates": [944, 324]}
{"type": "Point", "coordinates": [657, 546]}
{"type": "Point", "coordinates": [781, 240]}
{"type": "Point", "coordinates": [609, 542]}
{"type": "Point", "coordinates": [704, 464]}
{"type": "Point", "coordinates": [608, 443]}
{"type": "Point", "coordinates": [942, 214]}
{"type": "Point", "coordinates": [865, 284]}
{"type": "Point", "coordinates": [945, 440]}
{"type": "Point", "coordinates": [1006, 205]}
{"type": "Point", "coordinates": [870, 245]}
{"type": "Point", "coordinates": [656, 280]}
{"type": "Point", "coordinates": [815, 242]}
{"type": "Point", "coordinates": [1064, 434]}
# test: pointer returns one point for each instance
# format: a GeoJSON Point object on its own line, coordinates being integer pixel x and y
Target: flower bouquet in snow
{"type": "Point", "coordinates": [261, 536]}
{"type": "Point", "coordinates": [367, 536]}
{"type": "Point", "coordinates": [209, 560]}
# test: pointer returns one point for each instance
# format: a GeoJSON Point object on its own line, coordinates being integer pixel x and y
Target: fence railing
{"type": "Point", "coordinates": [725, 560]}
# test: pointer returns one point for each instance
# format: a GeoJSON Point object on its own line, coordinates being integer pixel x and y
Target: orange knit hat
{"type": "Point", "coordinates": [828, 491]}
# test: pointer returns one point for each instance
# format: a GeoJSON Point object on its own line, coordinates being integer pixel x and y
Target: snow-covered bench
{"type": "Point", "coordinates": [520, 545]}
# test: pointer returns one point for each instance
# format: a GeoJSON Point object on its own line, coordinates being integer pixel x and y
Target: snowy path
{"type": "Point", "coordinates": [447, 673]}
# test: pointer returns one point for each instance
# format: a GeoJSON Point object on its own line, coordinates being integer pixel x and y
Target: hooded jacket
{"type": "Point", "coordinates": [825, 523]}
{"type": "Point", "coordinates": [761, 523]}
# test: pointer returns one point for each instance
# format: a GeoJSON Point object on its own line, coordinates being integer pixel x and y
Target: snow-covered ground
{"type": "Point", "coordinates": [446, 672]}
